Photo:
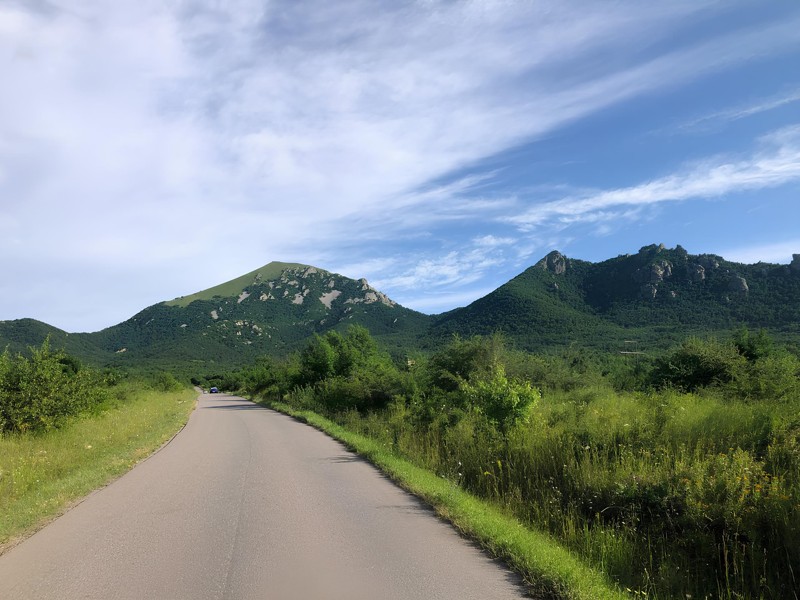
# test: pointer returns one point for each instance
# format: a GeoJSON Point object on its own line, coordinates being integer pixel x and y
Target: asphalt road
{"type": "Point", "coordinates": [247, 503]}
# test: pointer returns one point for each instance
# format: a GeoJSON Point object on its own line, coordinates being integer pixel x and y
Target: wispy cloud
{"type": "Point", "coordinates": [255, 130]}
{"type": "Point", "coordinates": [456, 267]}
{"type": "Point", "coordinates": [777, 163]}
{"type": "Point", "coordinates": [742, 111]}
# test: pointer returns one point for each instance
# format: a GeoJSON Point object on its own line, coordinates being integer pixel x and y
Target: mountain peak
{"type": "Point", "coordinates": [555, 262]}
{"type": "Point", "coordinates": [235, 287]}
{"type": "Point", "coordinates": [291, 282]}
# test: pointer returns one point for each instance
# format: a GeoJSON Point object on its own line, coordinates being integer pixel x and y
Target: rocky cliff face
{"type": "Point", "coordinates": [555, 262]}
{"type": "Point", "coordinates": [738, 284]}
{"type": "Point", "coordinates": [654, 273]}
{"type": "Point", "coordinates": [311, 285]}
{"type": "Point", "coordinates": [697, 273]}
{"type": "Point", "coordinates": [673, 269]}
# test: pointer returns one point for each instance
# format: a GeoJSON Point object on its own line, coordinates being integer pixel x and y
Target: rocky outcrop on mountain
{"type": "Point", "coordinates": [660, 271]}
{"type": "Point", "coordinates": [795, 264]}
{"type": "Point", "coordinates": [709, 261]}
{"type": "Point", "coordinates": [296, 284]}
{"type": "Point", "coordinates": [697, 273]}
{"type": "Point", "coordinates": [555, 262]}
{"type": "Point", "coordinates": [651, 249]}
{"type": "Point", "coordinates": [738, 284]}
{"type": "Point", "coordinates": [649, 291]}
{"type": "Point", "coordinates": [655, 273]}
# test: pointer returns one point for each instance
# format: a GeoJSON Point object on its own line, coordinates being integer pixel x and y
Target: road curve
{"type": "Point", "coordinates": [248, 503]}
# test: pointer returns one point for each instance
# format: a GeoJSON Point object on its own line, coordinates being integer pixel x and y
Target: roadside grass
{"type": "Point", "coordinates": [41, 475]}
{"type": "Point", "coordinates": [549, 569]}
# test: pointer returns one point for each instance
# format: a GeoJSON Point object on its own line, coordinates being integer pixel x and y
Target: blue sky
{"type": "Point", "coordinates": [151, 149]}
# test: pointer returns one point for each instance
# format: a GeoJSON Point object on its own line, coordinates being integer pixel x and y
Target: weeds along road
{"type": "Point", "coordinates": [247, 503]}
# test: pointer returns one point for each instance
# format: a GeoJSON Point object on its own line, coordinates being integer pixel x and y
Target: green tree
{"type": "Point", "coordinates": [317, 361]}
{"type": "Point", "coordinates": [753, 346]}
{"type": "Point", "coordinates": [504, 402]}
{"type": "Point", "coordinates": [41, 391]}
{"type": "Point", "coordinates": [699, 363]}
{"type": "Point", "coordinates": [462, 360]}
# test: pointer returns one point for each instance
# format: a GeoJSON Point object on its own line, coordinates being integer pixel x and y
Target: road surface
{"type": "Point", "coordinates": [248, 503]}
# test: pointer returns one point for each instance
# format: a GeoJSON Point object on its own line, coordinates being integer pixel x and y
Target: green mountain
{"type": "Point", "coordinates": [18, 335]}
{"type": "Point", "coordinates": [271, 310]}
{"type": "Point", "coordinates": [655, 297]}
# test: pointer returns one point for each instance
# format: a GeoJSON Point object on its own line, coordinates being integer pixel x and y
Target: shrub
{"type": "Point", "coordinates": [505, 403]}
{"type": "Point", "coordinates": [462, 360]}
{"type": "Point", "coordinates": [41, 391]}
{"type": "Point", "coordinates": [164, 381]}
{"type": "Point", "coordinates": [699, 363]}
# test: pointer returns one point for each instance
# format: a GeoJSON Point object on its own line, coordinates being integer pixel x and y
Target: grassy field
{"type": "Point", "coordinates": [41, 475]}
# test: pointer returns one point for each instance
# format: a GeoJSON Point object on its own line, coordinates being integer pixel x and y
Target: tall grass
{"type": "Point", "coordinates": [42, 473]}
{"type": "Point", "coordinates": [679, 478]}
{"type": "Point", "coordinates": [670, 494]}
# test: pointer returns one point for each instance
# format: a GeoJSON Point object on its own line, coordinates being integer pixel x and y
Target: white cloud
{"type": "Point", "coordinates": [743, 111]}
{"type": "Point", "coordinates": [492, 241]}
{"type": "Point", "coordinates": [775, 165]}
{"type": "Point", "coordinates": [779, 252]}
{"type": "Point", "coordinates": [459, 267]}
{"type": "Point", "coordinates": [196, 137]}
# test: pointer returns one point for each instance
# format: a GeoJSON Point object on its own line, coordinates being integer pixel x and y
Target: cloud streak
{"type": "Point", "coordinates": [777, 164]}
{"type": "Point", "coordinates": [189, 142]}
{"type": "Point", "coordinates": [744, 111]}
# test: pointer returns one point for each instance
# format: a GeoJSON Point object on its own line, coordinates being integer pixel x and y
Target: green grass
{"type": "Point", "coordinates": [42, 475]}
{"type": "Point", "coordinates": [546, 566]}
{"type": "Point", "coordinates": [234, 287]}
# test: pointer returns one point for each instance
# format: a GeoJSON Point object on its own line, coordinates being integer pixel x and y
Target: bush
{"type": "Point", "coordinates": [699, 363]}
{"type": "Point", "coordinates": [505, 403]}
{"type": "Point", "coordinates": [164, 381]}
{"type": "Point", "coordinates": [39, 392]}
{"type": "Point", "coordinates": [462, 360]}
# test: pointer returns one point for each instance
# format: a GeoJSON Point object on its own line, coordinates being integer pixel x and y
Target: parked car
{"type": "Point", "coordinates": [213, 390]}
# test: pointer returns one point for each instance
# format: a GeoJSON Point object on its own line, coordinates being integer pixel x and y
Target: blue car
{"type": "Point", "coordinates": [213, 390]}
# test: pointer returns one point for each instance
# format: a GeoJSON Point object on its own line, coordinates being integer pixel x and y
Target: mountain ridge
{"type": "Point", "coordinates": [657, 290]}
{"type": "Point", "coordinates": [235, 286]}
{"type": "Point", "coordinates": [657, 294]}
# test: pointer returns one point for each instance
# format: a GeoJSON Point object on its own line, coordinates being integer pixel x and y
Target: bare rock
{"type": "Point", "coordinates": [660, 271]}
{"type": "Point", "coordinates": [655, 273]}
{"type": "Point", "coordinates": [651, 249]}
{"type": "Point", "coordinates": [738, 284]}
{"type": "Point", "coordinates": [708, 261]}
{"type": "Point", "coordinates": [697, 273]}
{"type": "Point", "coordinates": [327, 299]}
{"type": "Point", "coordinates": [555, 262]}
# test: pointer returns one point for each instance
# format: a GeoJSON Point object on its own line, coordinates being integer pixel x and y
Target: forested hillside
{"type": "Point", "coordinates": [654, 297]}
{"type": "Point", "coordinates": [645, 301]}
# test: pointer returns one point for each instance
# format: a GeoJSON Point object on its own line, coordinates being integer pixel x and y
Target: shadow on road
{"type": "Point", "coordinates": [243, 406]}
{"type": "Point", "coordinates": [346, 458]}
